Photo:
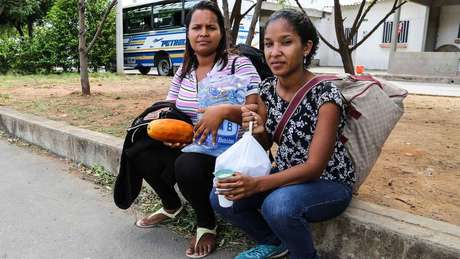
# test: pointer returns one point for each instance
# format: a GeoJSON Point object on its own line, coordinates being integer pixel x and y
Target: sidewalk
{"type": "Point", "coordinates": [49, 213]}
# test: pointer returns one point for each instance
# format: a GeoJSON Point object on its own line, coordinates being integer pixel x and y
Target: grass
{"type": "Point", "coordinates": [4, 97]}
{"type": "Point", "coordinates": [43, 80]}
{"type": "Point", "coordinates": [50, 80]}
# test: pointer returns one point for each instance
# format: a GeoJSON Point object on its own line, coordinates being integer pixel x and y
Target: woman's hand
{"type": "Point", "coordinates": [212, 117]}
{"type": "Point", "coordinates": [237, 187]}
{"type": "Point", "coordinates": [249, 113]}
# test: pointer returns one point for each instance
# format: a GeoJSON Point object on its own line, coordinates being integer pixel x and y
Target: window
{"type": "Point", "coordinates": [154, 17]}
{"type": "Point", "coordinates": [403, 32]}
{"type": "Point", "coordinates": [167, 15]}
{"type": "Point", "coordinates": [347, 36]}
{"type": "Point", "coordinates": [138, 19]}
{"type": "Point", "coordinates": [458, 35]}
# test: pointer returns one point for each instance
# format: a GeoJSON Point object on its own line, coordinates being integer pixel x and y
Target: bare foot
{"type": "Point", "coordinates": [154, 219]}
{"type": "Point", "coordinates": [205, 246]}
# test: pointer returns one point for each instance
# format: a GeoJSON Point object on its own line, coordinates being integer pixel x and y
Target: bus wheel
{"type": "Point", "coordinates": [163, 67]}
{"type": "Point", "coordinates": [144, 70]}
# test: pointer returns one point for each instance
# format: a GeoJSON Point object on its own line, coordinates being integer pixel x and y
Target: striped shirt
{"type": "Point", "coordinates": [184, 92]}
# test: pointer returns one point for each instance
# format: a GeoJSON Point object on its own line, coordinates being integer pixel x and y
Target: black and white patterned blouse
{"type": "Point", "coordinates": [298, 133]}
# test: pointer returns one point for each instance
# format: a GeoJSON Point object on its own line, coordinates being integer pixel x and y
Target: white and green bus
{"type": "Point", "coordinates": [154, 33]}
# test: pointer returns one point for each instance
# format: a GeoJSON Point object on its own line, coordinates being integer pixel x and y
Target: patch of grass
{"type": "Point", "coordinates": [4, 98]}
{"type": "Point", "coordinates": [14, 80]}
{"type": "Point", "coordinates": [49, 80]}
{"type": "Point", "coordinates": [102, 176]}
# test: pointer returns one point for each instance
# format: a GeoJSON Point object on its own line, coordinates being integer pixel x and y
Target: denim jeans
{"type": "Point", "coordinates": [283, 215]}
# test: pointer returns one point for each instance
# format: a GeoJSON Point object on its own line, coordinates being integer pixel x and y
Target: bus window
{"type": "Point", "coordinates": [167, 15]}
{"type": "Point", "coordinates": [138, 19]}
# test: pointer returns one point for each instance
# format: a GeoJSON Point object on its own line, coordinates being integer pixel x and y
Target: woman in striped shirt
{"type": "Point", "coordinates": [205, 56]}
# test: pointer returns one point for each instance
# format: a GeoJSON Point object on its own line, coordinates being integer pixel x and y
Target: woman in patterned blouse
{"type": "Point", "coordinates": [313, 177]}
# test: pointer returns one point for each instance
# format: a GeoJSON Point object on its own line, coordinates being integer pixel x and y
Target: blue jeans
{"type": "Point", "coordinates": [283, 215]}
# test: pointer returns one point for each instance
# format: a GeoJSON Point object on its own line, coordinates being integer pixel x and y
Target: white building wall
{"type": "Point", "coordinates": [448, 26]}
{"type": "Point", "coordinates": [322, 48]}
{"type": "Point", "coordinates": [371, 54]}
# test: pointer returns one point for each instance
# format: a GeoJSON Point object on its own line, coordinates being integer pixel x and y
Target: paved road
{"type": "Point", "coordinates": [48, 213]}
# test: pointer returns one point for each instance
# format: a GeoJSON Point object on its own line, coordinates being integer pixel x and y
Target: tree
{"type": "Point", "coordinates": [62, 21]}
{"type": "Point", "coordinates": [345, 48]}
{"type": "Point", "coordinates": [23, 13]}
{"type": "Point", "coordinates": [255, 18]}
{"type": "Point", "coordinates": [233, 20]}
{"type": "Point", "coordinates": [84, 49]}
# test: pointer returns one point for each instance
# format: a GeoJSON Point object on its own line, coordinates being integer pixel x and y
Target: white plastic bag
{"type": "Point", "coordinates": [246, 156]}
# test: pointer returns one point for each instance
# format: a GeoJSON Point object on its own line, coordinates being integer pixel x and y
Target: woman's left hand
{"type": "Point", "coordinates": [209, 123]}
{"type": "Point", "coordinates": [237, 187]}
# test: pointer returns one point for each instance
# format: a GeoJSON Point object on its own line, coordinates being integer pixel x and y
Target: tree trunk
{"type": "Point", "coordinates": [235, 20]}
{"type": "Point", "coordinates": [347, 61]}
{"type": "Point", "coordinates": [19, 29]}
{"type": "Point", "coordinates": [30, 28]}
{"type": "Point", "coordinates": [84, 77]}
{"type": "Point", "coordinates": [344, 49]}
{"type": "Point", "coordinates": [252, 27]}
{"type": "Point", "coordinates": [235, 30]}
{"type": "Point", "coordinates": [83, 53]}
{"type": "Point", "coordinates": [226, 21]}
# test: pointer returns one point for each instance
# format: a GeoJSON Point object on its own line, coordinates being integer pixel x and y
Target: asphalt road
{"type": "Point", "coordinates": [48, 213]}
{"type": "Point", "coordinates": [430, 88]}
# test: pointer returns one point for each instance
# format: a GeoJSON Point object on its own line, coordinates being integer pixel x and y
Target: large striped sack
{"type": "Point", "coordinates": [374, 106]}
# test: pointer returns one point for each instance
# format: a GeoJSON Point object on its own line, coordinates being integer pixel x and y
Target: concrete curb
{"type": "Point", "coordinates": [365, 230]}
{"type": "Point", "coordinates": [80, 145]}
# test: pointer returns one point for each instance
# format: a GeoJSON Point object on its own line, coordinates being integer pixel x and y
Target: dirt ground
{"type": "Point", "coordinates": [418, 170]}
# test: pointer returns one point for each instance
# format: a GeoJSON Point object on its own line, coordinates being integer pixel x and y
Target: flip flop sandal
{"type": "Point", "coordinates": [200, 232]}
{"type": "Point", "coordinates": [160, 211]}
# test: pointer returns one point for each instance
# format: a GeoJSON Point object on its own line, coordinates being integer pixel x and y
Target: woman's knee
{"type": "Point", "coordinates": [193, 168]}
{"type": "Point", "coordinates": [278, 208]}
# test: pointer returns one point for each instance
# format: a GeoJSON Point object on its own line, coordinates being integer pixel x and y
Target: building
{"type": "Point", "coordinates": [428, 38]}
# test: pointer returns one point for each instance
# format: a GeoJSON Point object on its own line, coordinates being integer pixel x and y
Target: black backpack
{"type": "Point", "coordinates": [128, 183]}
{"type": "Point", "coordinates": [257, 58]}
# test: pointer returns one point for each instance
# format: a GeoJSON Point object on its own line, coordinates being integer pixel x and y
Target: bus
{"type": "Point", "coordinates": [154, 33]}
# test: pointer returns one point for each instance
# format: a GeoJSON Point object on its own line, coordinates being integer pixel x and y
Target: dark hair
{"type": "Point", "coordinates": [189, 56]}
{"type": "Point", "coordinates": [302, 26]}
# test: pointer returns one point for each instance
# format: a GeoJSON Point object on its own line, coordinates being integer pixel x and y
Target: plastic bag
{"type": "Point", "coordinates": [214, 90]}
{"type": "Point", "coordinates": [246, 156]}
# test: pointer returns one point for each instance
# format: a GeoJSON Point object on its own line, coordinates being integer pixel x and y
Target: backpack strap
{"type": "Point", "coordinates": [233, 65]}
{"type": "Point", "coordinates": [294, 103]}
